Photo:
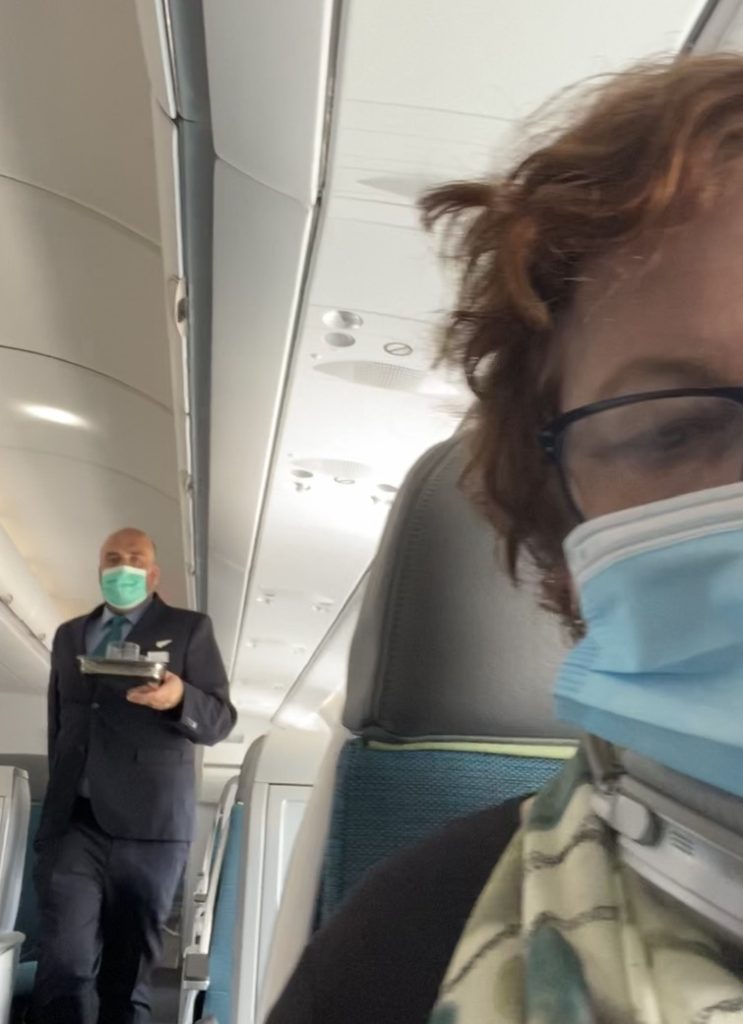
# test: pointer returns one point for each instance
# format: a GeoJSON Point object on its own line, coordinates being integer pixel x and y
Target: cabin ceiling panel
{"type": "Point", "coordinates": [390, 155]}
{"type": "Point", "coordinates": [79, 287]}
{"type": "Point", "coordinates": [494, 58]}
{"type": "Point", "coordinates": [355, 270]}
{"type": "Point", "coordinates": [75, 106]}
{"type": "Point", "coordinates": [320, 531]}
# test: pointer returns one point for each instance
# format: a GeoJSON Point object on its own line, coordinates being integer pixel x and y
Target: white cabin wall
{"type": "Point", "coordinates": [23, 723]}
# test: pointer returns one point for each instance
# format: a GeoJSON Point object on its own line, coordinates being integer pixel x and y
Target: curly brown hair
{"type": "Point", "coordinates": [649, 148]}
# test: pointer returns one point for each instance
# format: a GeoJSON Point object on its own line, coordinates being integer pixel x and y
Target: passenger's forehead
{"type": "Point", "coordinates": [647, 316]}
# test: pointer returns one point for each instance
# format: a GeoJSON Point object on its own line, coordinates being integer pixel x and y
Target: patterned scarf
{"type": "Point", "coordinates": [563, 934]}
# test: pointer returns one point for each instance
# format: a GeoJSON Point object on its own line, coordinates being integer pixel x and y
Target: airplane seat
{"type": "Point", "coordinates": [23, 779]}
{"type": "Point", "coordinates": [448, 699]}
{"type": "Point", "coordinates": [207, 963]}
{"type": "Point", "coordinates": [27, 920]}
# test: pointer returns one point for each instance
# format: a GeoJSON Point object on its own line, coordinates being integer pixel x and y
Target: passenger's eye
{"type": "Point", "coordinates": [684, 433]}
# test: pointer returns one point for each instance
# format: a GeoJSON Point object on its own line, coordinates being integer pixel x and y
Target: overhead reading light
{"type": "Point", "coordinates": [301, 480]}
{"type": "Point", "coordinates": [342, 320]}
{"type": "Point", "coordinates": [54, 415]}
{"type": "Point", "coordinates": [339, 339]}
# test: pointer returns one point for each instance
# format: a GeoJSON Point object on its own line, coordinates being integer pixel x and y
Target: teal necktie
{"type": "Point", "coordinates": [112, 633]}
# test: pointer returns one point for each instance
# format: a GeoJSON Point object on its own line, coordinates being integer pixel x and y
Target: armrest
{"type": "Point", "coordinates": [195, 970]}
{"type": "Point", "coordinates": [11, 941]}
{"type": "Point", "coordinates": [194, 979]}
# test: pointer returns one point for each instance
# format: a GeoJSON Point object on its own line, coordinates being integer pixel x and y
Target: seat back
{"type": "Point", "coordinates": [387, 799]}
{"type": "Point", "coordinates": [15, 809]}
{"type": "Point", "coordinates": [27, 920]}
{"type": "Point", "coordinates": [448, 699]}
{"type": "Point", "coordinates": [448, 683]}
{"type": "Point", "coordinates": [218, 1000]}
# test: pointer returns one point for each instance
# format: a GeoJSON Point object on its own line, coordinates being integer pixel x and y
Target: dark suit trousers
{"type": "Point", "coordinates": [103, 904]}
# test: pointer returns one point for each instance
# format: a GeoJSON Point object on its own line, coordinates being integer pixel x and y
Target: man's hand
{"type": "Point", "coordinates": [160, 696]}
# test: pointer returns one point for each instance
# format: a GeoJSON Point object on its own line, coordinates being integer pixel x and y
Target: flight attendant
{"type": "Point", "coordinates": [119, 810]}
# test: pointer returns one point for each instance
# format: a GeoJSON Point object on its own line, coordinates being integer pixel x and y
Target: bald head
{"type": "Point", "coordinates": [131, 547]}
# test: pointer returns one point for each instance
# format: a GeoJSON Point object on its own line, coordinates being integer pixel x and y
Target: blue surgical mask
{"type": "Point", "coordinates": [124, 587]}
{"type": "Point", "coordinates": [661, 668]}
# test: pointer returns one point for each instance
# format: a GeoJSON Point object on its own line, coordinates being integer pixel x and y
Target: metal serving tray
{"type": "Point", "coordinates": [137, 668]}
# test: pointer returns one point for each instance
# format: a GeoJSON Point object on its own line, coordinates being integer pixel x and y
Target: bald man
{"type": "Point", "coordinates": [119, 810]}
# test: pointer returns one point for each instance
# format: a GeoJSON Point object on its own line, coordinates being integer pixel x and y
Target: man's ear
{"type": "Point", "coordinates": [154, 578]}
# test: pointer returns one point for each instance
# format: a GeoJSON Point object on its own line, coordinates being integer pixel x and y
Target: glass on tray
{"type": "Point", "coordinates": [122, 651]}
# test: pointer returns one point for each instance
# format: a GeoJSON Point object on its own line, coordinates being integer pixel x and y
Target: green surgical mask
{"type": "Point", "coordinates": [124, 587]}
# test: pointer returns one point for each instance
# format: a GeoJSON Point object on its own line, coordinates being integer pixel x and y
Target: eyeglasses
{"type": "Point", "coordinates": [641, 448]}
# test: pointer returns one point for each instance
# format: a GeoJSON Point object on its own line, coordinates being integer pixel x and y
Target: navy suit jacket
{"type": "Point", "coordinates": [139, 763]}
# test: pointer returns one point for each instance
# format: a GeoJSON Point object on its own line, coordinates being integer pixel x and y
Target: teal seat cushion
{"type": "Point", "coordinates": [24, 980]}
{"type": "Point", "coordinates": [218, 998]}
{"type": "Point", "coordinates": [386, 799]}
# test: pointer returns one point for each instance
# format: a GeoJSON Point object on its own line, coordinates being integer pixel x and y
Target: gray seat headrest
{"type": "Point", "coordinates": [445, 645]}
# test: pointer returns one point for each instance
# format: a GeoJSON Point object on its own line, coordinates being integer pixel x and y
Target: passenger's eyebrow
{"type": "Point", "coordinates": [650, 372]}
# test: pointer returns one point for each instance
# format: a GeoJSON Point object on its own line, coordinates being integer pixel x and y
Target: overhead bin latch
{"type": "Point", "coordinates": [180, 305]}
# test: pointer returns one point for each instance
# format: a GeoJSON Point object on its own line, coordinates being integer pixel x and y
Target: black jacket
{"type": "Point", "coordinates": [383, 956]}
{"type": "Point", "coordinates": [139, 762]}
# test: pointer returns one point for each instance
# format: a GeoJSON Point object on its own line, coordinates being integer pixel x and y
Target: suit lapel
{"type": "Point", "coordinates": [147, 625]}
{"type": "Point", "coordinates": [79, 628]}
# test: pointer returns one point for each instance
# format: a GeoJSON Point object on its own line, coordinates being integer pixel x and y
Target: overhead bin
{"type": "Point", "coordinates": [268, 67]}
{"type": "Point", "coordinates": [719, 27]}
{"type": "Point", "coordinates": [260, 240]}
{"type": "Point", "coordinates": [23, 594]}
{"type": "Point", "coordinates": [153, 29]}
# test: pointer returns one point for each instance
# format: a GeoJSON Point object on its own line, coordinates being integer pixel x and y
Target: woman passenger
{"type": "Point", "coordinates": [599, 321]}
